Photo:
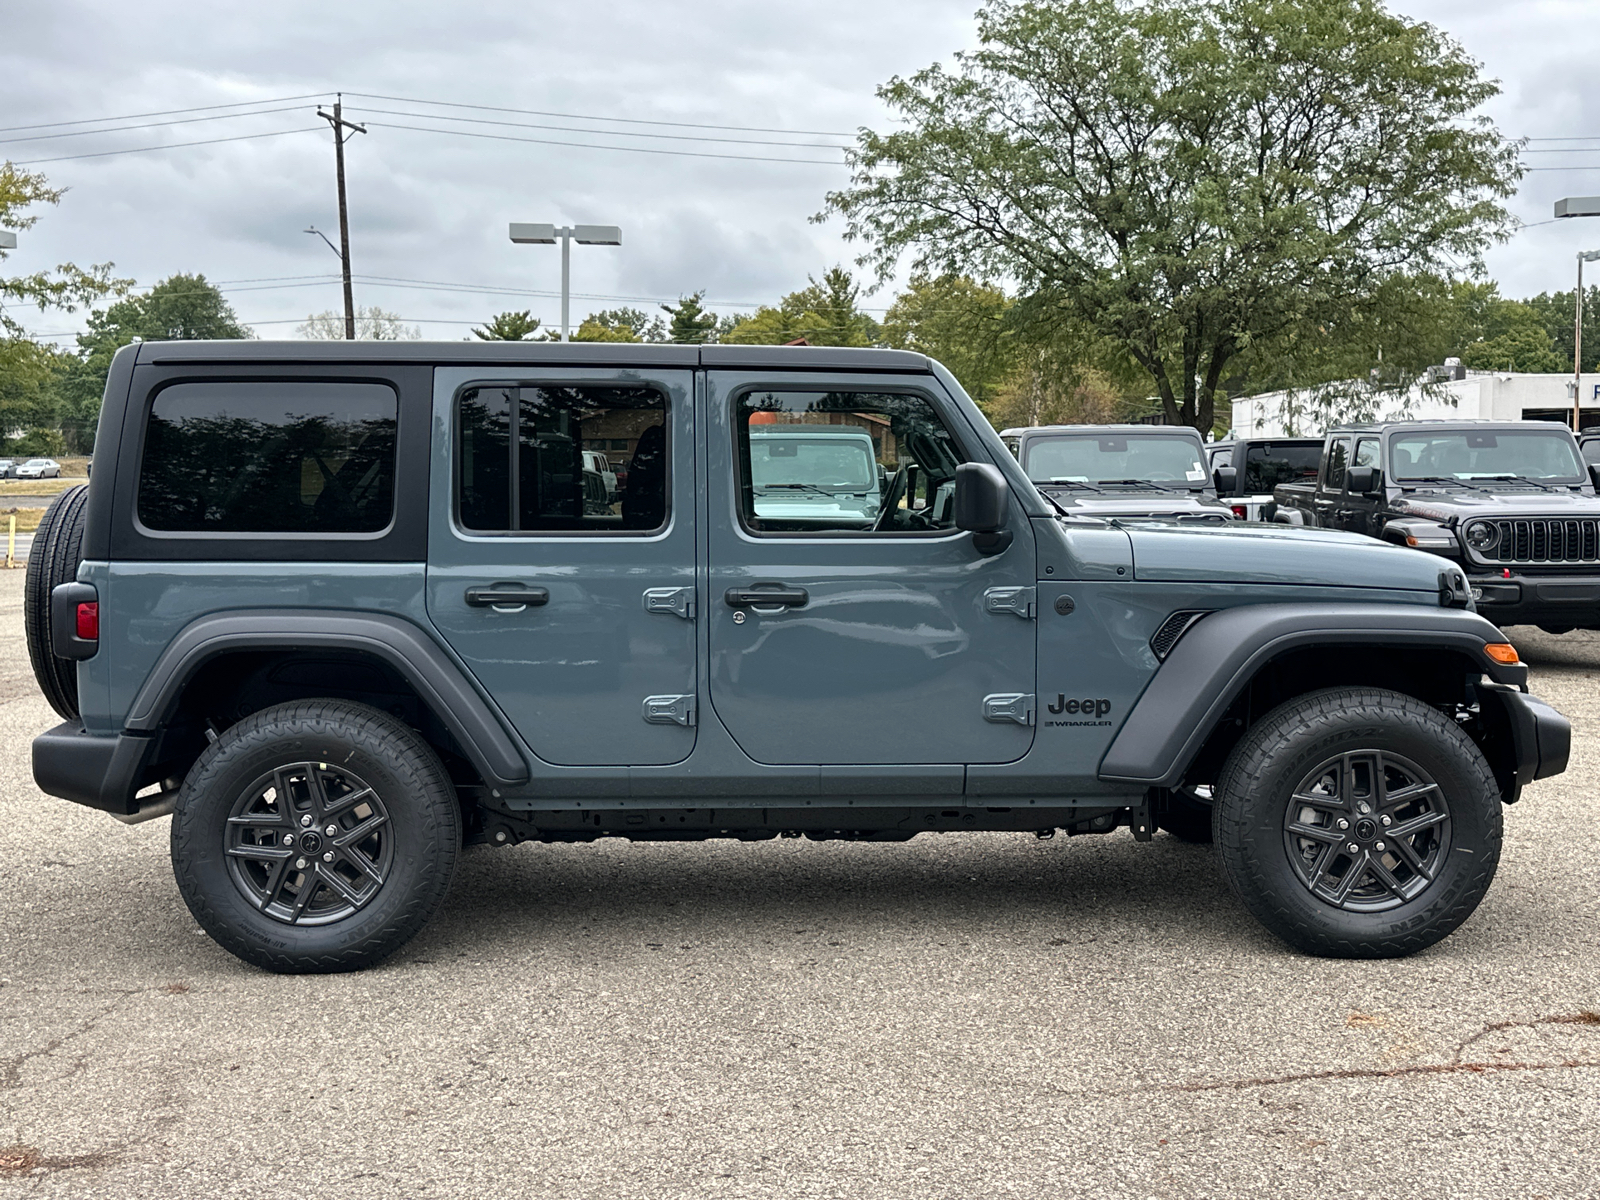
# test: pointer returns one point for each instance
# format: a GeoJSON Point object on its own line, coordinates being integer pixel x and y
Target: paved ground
{"type": "Point", "coordinates": [967, 1016]}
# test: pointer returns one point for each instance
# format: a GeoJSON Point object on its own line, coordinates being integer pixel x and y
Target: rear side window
{"type": "Point", "coordinates": [522, 466]}
{"type": "Point", "coordinates": [1268, 464]}
{"type": "Point", "coordinates": [285, 457]}
{"type": "Point", "coordinates": [1338, 455]}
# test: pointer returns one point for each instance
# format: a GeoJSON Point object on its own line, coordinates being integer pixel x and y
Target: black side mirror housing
{"type": "Point", "coordinates": [1594, 475]}
{"type": "Point", "coordinates": [1361, 479]}
{"type": "Point", "coordinates": [1226, 480]}
{"type": "Point", "coordinates": [979, 506]}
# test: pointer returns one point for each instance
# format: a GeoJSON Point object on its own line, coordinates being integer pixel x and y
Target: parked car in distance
{"type": "Point", "coordinates": [341, 608]}
{"type": "Point", "coordinates": [1129, 471]}
{"type": "Point", "coordinates": [1259, 465]}
{"type": "Point", "coordinates": [815, 477]}
{"type": "Point", "coordinates": [594, 461]}
{"type": "Point", "coordinates": [38, 468]}
{"type": "Point", "coordinates": [1511, 501]}
{"type": "Point", "coordinates": [8, 468]}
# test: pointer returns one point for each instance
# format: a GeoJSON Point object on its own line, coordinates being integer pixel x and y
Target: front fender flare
{"type": "Point", "coordinates": [418, 658]}
{"type": "Point", "coordinates": [1217, 658]}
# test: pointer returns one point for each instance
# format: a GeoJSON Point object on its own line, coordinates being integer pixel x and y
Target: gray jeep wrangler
{"type": "Point", "coordinates": [343, 608]}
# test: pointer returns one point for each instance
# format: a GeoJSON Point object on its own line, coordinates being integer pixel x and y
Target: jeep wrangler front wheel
{"type": "Point", "coordinates": [315, 836]}
{"type": "Point", "coordinates": [1358, 823]}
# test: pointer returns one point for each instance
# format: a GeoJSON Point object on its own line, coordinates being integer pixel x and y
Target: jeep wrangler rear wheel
{"type": "Point", "coordinates": [315, 836]}
{"type": "Point", "coordinates": [1358, 823]}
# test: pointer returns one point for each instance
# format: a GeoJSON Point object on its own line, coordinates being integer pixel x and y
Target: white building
{"type": "Point", "coordinates": [1481, 396]}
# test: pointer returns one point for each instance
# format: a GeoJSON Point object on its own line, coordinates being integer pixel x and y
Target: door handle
{"type": "Point", "coordinates": [764, 594]}
{"type": "Point", "coordinates": [507, 595]}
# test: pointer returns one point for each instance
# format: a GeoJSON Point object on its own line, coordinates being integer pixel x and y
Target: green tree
{"type": "Point", "coordinates": [510, 327]}
{"type": "Point", "coordinates": [826, 312]}
{"type": "Point", "coordinates": [1554, 311]}
{"type": "Point", "coordinates": [959, 322]}
{"type": "Point", "coordinates": [1195, 180]}
{"type": "Point", "coordinates": [372, 325]}
{"type": "Point", "coordinates": [621, 325]}
{"type": "Point", "coordinates": [689, 322]}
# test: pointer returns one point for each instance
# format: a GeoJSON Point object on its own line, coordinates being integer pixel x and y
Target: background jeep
{"type": "Point", "coordinates": [342, 608]}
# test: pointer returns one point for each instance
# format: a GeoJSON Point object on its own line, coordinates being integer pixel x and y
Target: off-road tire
{"type": "Point", "coordinates": [1272, 760]}
{"type": "Point", "coordinates": [399, 766]}
{"type": "Point", "coordinates": [1188, 820]}
{"type": "Point", "coordinates": [57, 551]}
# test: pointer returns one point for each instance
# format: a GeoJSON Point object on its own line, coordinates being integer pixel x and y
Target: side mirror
{"type": "Point", "coordinates": [979, 506]}
{"type": "Point", "coordinates": [1226, 480]}
{"type": "Point", "coordinates": [1594, 475]}
{"type": "Point", "coordinates": [1361, 479]}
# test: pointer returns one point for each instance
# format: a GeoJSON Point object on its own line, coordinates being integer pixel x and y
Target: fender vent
{"type": "Point", "coordinates": [1173, 628]}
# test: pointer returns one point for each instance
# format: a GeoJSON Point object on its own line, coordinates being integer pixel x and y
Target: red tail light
{"type": "Point", "coordinates": [89, 622]}
{"type": "Point", "coordinates": [1240, 511]}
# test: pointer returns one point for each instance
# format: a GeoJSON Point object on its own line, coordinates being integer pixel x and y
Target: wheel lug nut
{"type": "Point", "coordinates": [1343, 824]}
{"type": "Point", "coordinates": [299, 864]}
{"type": "Point", "coordinates": [1380, 846]}
{"type": "Point", "coordinates": [1386, 821]}
{"type": "Point", "coordinates": [328, 857]}
{"type": "Point", "coordinates": [331, 830]}
{"type": "Point", "coordinates": [288, 839]}
{"type": "Point", "coordinates": [306, 820]}
{"type": "Point", "coordinates": [1353, 848]}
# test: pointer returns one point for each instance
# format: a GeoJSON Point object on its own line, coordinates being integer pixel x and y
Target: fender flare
{"type": "Point", "coordinates": [1216, 659]}
{"type": "Point", "coordinates": [401, 644]}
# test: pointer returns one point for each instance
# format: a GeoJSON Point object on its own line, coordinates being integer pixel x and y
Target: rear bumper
{"type": "Point", "coordinates": [1541, 736]}
{"type": "Point", "coordinates": [99, 772]}
{"type": "Point", "coordinates": [1538, 599]}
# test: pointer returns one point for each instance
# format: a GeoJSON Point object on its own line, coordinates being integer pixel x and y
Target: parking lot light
{"type": "Point", "coordinates": [585, 235]}
{"type": "Point", "coordinates": [8, 240]}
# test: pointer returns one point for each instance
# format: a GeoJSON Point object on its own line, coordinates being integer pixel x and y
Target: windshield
{"type": "Point", "coordinates": [1271, 463]}
{"type": "Point", "coordinates": [844, 464]}
{"type": "Point", "coordinates": [1091, 458]}
{"type": "Point", "coordinates": [1470, 454]}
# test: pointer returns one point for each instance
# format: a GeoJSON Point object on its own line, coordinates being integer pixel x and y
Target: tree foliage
{"type": "Point", "coordinates": [621, 325]}
{"type": "Point", "coordinates": [1194, 181]}
{"type": "Point", "coordinates": [509, 327]}
{"type": "Point", "coordinates": [825, 312]}
{"type": "Point", "coordinates": [372, 325]}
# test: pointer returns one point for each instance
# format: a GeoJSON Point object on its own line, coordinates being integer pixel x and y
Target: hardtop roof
{"type": "Point", "coordinates": [1103, 430]}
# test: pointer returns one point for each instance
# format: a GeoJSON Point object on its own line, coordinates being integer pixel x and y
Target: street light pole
{"type": "Point", "coordinates": [1577, 341]}
{"type": "Point", "coordinates": [584, 235]}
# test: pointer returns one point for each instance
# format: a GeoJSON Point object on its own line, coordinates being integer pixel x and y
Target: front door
{"type": "Point", "coordinates": [849, 621]}
{"type": "Point", "coordinates": [570, 597]}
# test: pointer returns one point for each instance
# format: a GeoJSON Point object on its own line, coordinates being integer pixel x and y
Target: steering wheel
{"type": "Point", "coordinates": [892, 498]}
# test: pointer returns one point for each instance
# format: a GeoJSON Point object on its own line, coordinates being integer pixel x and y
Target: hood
{"type": "Point", "coordinates": [1241, 552]}
{"type": "Point", "coordinates": [1140, 504]}
{"type": "Point", "coordinates": [1446, 506]}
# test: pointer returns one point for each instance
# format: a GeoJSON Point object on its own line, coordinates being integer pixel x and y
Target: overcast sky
{"type": "Point", "coordinates": [432, 208]}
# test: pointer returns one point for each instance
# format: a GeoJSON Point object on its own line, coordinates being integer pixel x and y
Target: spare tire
{"type": "Point", "coordinates": [57, 551]}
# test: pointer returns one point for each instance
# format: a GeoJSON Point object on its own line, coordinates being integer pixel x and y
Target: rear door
{"type": "Point", "coordinates": [572, 605]}
{"type": "Point", "coordinates": [1330, 488]}
{"type": "Point", "coordinates": [847, 642]}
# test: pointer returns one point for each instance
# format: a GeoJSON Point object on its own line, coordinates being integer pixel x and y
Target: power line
{"type": "Point", "coordinates": [170, 112]}
{"type": "Point", "coordinates": [677, 137]}
{"type": "Point", "coordinates": [243, 137]}
{"type": "Point", "coordinates": [501, 137]}
{"type": "Point", "coordinates": [534, 112]}
{"type": "Point", "coordinates": [47, 137]}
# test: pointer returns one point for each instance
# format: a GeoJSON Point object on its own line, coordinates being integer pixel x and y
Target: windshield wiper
{"type": "Point", "coordinates": [1064, 483]}
{"type": "Point", "coordinates": [1153, 483]}
{"type": "Point", "coordinates": [1528, 479]}
{"type": "Point", "coordinates": [799, 487]}
{"type": "Point", "coordinates": [1450, 479]}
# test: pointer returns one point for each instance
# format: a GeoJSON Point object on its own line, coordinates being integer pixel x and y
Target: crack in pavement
{"type": "Point", "coordinates": [1582, 1017]}
{"type": "Point", "coordinates": [11, 1068]}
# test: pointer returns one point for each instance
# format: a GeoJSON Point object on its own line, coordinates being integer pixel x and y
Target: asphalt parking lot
{"type": "Point", "coordinates": [981, 1015]}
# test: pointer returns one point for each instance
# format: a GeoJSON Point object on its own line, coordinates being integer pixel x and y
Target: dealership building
{"type": "Point", "coordinates": [1456, 395]}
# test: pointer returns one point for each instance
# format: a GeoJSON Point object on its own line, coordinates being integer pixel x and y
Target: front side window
{"type": "Point", "coordinates": [1367, 452]}
{"type": "Point", "coordinates": [1100, 458]}
{"type": "Point", "coordinates": [522, 465]}
{"type": "Point", "coordinates": [844, 462]}
{"type": "Point", "coordinates": [283, 457]}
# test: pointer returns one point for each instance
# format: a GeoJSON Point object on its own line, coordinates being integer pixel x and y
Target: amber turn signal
{"type": "Point", "coordinates": [1502, 652]}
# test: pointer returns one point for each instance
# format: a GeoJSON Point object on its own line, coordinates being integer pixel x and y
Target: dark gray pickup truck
{"type": "Point", "coordinates": [1512, 501]}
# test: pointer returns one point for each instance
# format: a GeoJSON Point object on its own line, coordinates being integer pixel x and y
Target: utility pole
{"type": "Point", "coordinates": [336, 121]}
{"type": "Point", "coordinates": [1577, 341]}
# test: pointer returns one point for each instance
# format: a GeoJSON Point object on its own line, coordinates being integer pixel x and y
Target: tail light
{"type": "Point", "coordinates": [89, 621]}
{"type": "Point", "coordinates": [1240, 511]}
{"type": "Point", "coordinates": [74, 620]}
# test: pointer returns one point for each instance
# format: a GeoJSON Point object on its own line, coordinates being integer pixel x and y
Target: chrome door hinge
{"type": "Point", "coordinates": [669, 710]}
{"type": "Point", "coordinates": [1019, 601]}
{"type": "Point", "coordinates": [1009, 706]}
{"type": "Point", "coordinates": [678, 601]}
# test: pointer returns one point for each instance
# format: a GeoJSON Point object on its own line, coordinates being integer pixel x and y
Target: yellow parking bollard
{"type": "Point", "coordinates": [11, 543]}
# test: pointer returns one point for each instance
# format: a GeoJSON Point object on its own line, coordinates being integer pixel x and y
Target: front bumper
{"type": "Point", "coordinates": [100, 772]}
{"type": "Point", "coordinates": [1538, 599]}
{"type": "Point", "coordinates": [1541, 736]}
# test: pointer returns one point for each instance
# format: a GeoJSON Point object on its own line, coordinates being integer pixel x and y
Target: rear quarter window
{"type": "Point", "coordinates": [285, 457]}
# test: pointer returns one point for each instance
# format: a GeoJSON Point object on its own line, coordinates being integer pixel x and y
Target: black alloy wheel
{"type": "Point", "coordinates": [1358, 823]}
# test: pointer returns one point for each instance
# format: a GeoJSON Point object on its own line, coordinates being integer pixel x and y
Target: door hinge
{"type": "Point", "coordinates": [1019, 601]}
{"type": "Point", "coordinates": [1009, 706]}
{"type": "Point", "coordinates": [669, 710]}
{"type": "Point", "coordinates": [678, 601]}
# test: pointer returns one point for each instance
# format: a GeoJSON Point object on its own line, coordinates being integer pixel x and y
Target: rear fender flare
{"type": "Point", "coordinates": [1216, 659]}
{"type": "Point", "coordinates": [419, 660]}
